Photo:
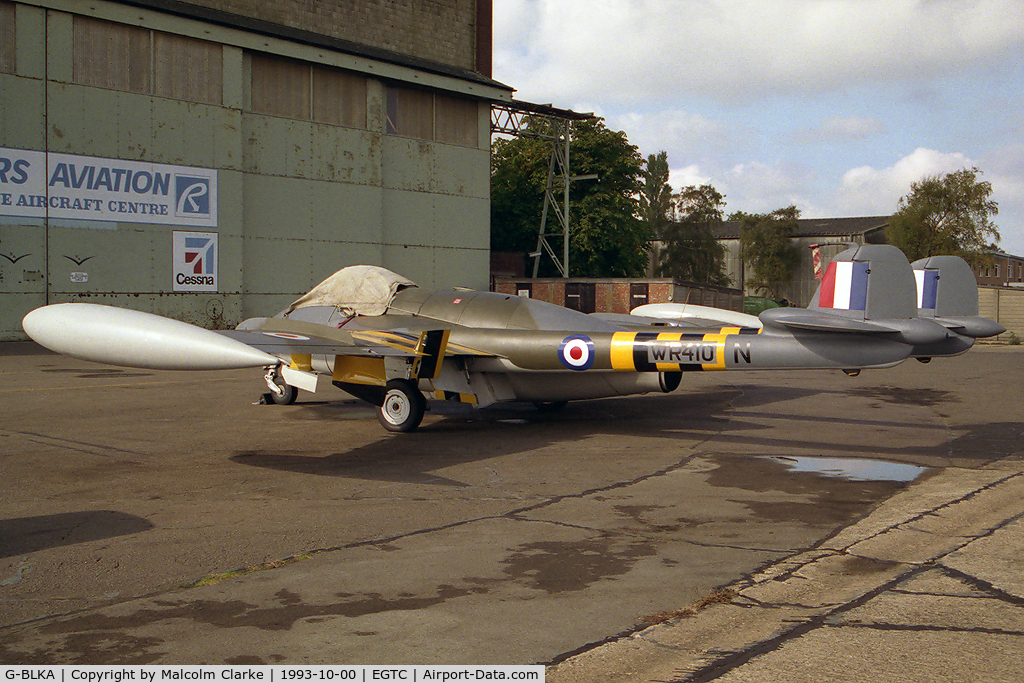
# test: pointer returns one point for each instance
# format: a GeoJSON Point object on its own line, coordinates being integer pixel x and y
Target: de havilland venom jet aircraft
{"type": "Point", "coordinates": [386, 341]}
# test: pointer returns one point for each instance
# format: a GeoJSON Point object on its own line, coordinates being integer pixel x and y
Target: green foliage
{"type": "Point", "coordinates": [607, 238]}
{"type": "Point", "coordinates": [656, 197]}
{"type": "Point", "coordinates": [691, 251]}
{"type": "Point", "coordinates": [770, 254]}
{"type": "Point", "coordinates": [519, 173]}
{"type": "Point", "coordinates": [945, 215]}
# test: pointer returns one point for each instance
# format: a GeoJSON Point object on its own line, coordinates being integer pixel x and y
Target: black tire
{"type": "Point", "coordinates": [403, 407]}
{"type": "Point", "coordinates": [289, 395]}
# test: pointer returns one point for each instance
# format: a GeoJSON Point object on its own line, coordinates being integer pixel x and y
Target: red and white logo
{"type": "Point", "coordinates": [287, 335]}
{"type": "Point", "coordinates": [577, 352]}
{"type": "Point", "coordinates": [194, 261]}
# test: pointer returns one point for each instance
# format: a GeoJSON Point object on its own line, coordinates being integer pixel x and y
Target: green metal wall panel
{"type": "Point", "coordinates": [297, 199]}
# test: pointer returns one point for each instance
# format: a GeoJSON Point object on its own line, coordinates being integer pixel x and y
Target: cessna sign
{"type": "Point", "coordinates": [195, 261]}
{"type": "Point", "coordinates": [68, 186]}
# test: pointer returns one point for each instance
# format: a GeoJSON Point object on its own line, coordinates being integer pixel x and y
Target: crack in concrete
{"type": "Point", "coordinates": [924, 628]}
{"type": "Point", "coordinates": [761, 604]}
{"type": "Point", "coordinates": [514, 515]}
{"type": "Point", "coordinates": [729, 660]}
{"type": "Point", "coordinates": [650, 536]}
{"type": "Point", "coordinates": [982, 586]}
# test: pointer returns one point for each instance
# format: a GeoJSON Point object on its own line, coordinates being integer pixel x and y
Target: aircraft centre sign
{"type": "Point", "coordinates": [68, 186]}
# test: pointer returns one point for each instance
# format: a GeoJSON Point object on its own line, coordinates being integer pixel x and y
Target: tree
{"type": "Point", "coordinates": [519, 173]}
{"type": "Point", "coordinates": [606, 236]}
{"type": "Point", "coordinates": [767, 248]}
{"type": "Point", "coordinates": [691, 251]}
{"type": "Point", "coordinates": [656, 196]}
{"type": "Point", "coordinates": [951, 214]}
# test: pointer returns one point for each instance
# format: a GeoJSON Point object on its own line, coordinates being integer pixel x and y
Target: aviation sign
{"type": "Point", "coordinates": [51, 185]}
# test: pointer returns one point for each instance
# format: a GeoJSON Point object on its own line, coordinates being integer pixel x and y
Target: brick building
{"type": "Point", "coordinates": [1001, 270]}
{"type": "Point", "coordinates": [618, 295]}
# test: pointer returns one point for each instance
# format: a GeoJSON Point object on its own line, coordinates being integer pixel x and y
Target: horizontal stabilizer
{"type": "Point", "coordinates": [816, 320]}
{"type": "Point", "coordinates": [120, 336]}
{"type": "Point", "coordinates": [972, 326]}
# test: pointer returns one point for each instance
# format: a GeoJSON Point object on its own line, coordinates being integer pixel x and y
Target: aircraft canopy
{"type": "Point", "coordinates": [358, 290]}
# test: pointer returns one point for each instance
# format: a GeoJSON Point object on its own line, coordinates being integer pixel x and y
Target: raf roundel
{"type": "Point", "coordinates": [287, 335]}
{"type": "Point", "coordinates": [577, 352]}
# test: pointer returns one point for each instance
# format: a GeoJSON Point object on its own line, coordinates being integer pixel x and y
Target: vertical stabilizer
{"type": "Point", "coordinates": [946, 286]}
{"type": "Point", "coordinates": [870, 282]}
{"type": "Point", "coordinates": [947, 292]}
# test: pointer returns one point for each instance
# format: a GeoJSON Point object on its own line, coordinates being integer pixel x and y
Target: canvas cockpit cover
{"type": "Point", "coordinates": [355, 290]}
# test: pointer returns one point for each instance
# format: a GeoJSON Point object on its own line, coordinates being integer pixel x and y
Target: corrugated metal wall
{"type": "Point", "coordinates": [300, 194]}
{"type": "Point", "coordinates": [1006, 307]}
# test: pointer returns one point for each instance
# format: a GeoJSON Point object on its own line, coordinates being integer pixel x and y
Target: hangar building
{"type": "Point", "coordinates": [211, 160]}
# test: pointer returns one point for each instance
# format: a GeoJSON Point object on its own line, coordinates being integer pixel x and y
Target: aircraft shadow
{"type": "Point", "coordinates": [724, 415]}
{"type": "Point", "coordinates": [22, 535]}
{"type": "Point", "coordinates": [416, 458]}
{"type": "Point", "coordinates": [496, 431]}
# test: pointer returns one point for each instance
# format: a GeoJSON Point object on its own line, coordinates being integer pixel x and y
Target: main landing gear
{"type": "Point", "coordinates": [403, 406]}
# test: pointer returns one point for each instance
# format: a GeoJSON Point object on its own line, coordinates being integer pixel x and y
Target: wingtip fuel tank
{"type": "Point", "coordinates": [117, 336]}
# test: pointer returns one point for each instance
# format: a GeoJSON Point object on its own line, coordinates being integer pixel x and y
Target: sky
{"type": "Point", "coordinates": [834, 106]}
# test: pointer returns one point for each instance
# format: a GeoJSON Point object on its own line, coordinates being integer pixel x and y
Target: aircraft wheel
{"type": "Point", "coordinates": [403, 406]}
{"type": "Point", "coordinates": [289, 395]}
{"type": "Point", "coordinates": [549, 406]}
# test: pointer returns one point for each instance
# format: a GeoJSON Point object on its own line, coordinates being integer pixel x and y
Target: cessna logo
{"type": "Point", "coordinates": [200, 259]}
{"type": "Point", "coordinates": [195, 261]}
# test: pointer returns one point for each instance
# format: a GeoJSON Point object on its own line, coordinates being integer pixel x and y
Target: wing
{"type": "Point", "coordinates": [117, 336]}
{"type": "Point", "coordinates": [282, 337]}
{"type": "Point", "coordinates": [381, 336]}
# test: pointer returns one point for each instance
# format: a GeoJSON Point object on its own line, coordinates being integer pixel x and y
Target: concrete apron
{"type": "Point", "coordinates": [929, 587]}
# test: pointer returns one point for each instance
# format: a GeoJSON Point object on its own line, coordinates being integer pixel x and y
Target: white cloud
{"type": "Point", "coordinates": [867, 191]}
{"type": "Point", "coordinates": [636, 50]}
{"type": "Point", "coordinates": [753, 186]}
{"type": "Point", "coordinates": [780, 102]}
{"type": "Point", "coordinates": [688, 176]}
{"type": "Point", "coordinates": [758, 187]}
{"type": "Point", "coordinates": [669, 129]}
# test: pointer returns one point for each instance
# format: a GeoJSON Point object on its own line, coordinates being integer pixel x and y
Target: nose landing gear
{"type": "Point", "coordinates": [281, 393]}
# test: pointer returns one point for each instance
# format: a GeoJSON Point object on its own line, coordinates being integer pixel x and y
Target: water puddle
{"type": "Point", "coordinates": [853, 469]}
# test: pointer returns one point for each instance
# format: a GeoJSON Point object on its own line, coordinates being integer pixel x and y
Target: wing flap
{"type": "Point", "coordinates": [278, 343]}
